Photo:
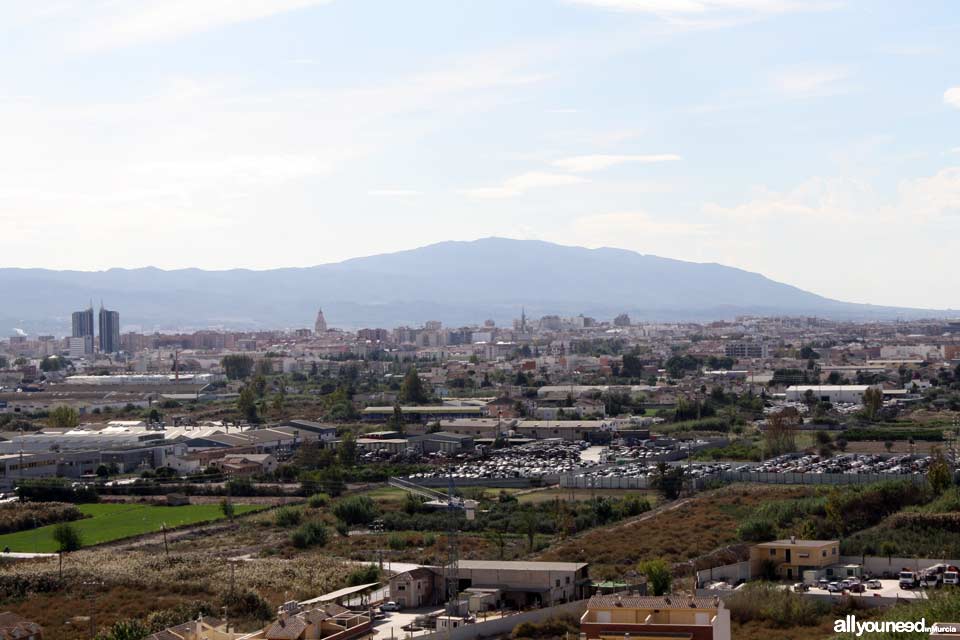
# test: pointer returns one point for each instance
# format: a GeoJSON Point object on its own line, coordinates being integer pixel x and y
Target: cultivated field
{"type": "Point", "coordinates": [109, 522]}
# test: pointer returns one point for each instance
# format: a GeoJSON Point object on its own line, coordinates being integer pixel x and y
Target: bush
{"type": "Point", "coordinates": [397, 542]}
{"type": "Point", "coordinates": [246, 604]}
{"type": "Point", "coordinates": [318, 501]}
{"type": "Point", "coordinates": [757, 530]}
{"type": "Point", "coordinates": [124, 630]}
{"type": "Point", "coordinates": [22, 516]}
{"type": "Point", "coordinates": [356, 510]}
{"type": "Point", "coordinates": [771, 603]}
{"type": "Point", "coordinates": [310, 534]}
{"type": "Point", "coordinates": [364, 575]}
{"type": "Point", "coordinates": [559, 627]}
{"type": "Point", "coordinates": [287, 517]}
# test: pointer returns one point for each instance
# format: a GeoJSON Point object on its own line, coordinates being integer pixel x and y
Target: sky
{"type": "Point", "coordinates": [816, 142]}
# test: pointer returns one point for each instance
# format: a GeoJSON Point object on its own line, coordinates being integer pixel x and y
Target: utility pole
{"type": "Point", "coordinates": [166, 548]}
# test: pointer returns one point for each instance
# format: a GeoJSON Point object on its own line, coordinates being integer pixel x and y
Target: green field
{"type": "Point", "coordinates": [108, 522]}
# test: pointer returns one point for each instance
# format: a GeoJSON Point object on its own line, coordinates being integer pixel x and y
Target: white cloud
{"type": "Point", "coordinates": [821, 198]}
{"type": "Point", "coordinates": [931, 197]}
{"type": "Point", "coordinates": [598, 162]}
{"type": "Point", "coordinates": [133, 22]}
{"type": "Point", "coordinates": [519, 185]}
{"type": "Point", "coordinates": [806, 82]}
{"type": "Point", "coordinates": [952, 97]}
{"type": "Point", "coordinates": [835, 200]}
{"type": "Point", "coordinates": [393, 193]}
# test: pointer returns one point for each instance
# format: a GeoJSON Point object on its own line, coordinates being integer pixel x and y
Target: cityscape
{"type": "Point", "coordinates": [479, 320]}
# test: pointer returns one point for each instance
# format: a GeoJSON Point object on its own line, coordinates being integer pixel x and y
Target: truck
{"type": "Point", "coordinates": [908, 579]}
{"type": "Point", "coordinates": [933, 576]}
{"type": "Point", "coordinates": [951, 576]}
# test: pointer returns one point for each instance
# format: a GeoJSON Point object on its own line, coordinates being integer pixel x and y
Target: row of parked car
{"type": "Point", "coordinates": [531, 460]}
{"type": "Point", "coordinates": [849, 463]}
{"type": "Point", "coordinates": [850, 585]}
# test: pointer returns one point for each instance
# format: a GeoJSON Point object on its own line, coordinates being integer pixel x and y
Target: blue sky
{"type": "Point", "coordinates": [817, 142]}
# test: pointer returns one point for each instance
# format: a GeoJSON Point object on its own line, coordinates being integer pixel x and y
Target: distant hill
{"type": "Point", "coordinates": [455, 282]}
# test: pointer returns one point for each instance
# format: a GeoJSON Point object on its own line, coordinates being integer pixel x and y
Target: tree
{"type": "Point", "coordinates": [64, 417]}
{"type": "Point", "coordinates": [888, 445]}
{"type": "Point", "coordinates": [780, 434]}
{"type": "Point", "coordinates": [237, 367]}
{"type": "Point", "coordinates": [247, 404]}
{"type": "Point", "coordinates": [872, 403]}
{"type": "Point", "coordinates": [658, 575]}
{"type": "Point", "coordinates": [412, 391]}
{"type": "Point", "coordinates": [260, 386]}
{"type": "Point", "coordinates": [938, 473]}
{"type": "Point", "coordinates": [227, 509]}
{"type": "Point", "coordinates": [347, 450]}
{"type": "Point", "coordinates": [668, 480]}
{"type": "Point", "coordinates": [52, 363]}
{"type": "Point", "coordinates": [887, 549]}
{"type": "Point", "coordinates": [68, 539]}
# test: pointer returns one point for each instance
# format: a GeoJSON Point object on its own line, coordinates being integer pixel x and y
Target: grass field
{"type": "Point", "coordinates": [108, 522]}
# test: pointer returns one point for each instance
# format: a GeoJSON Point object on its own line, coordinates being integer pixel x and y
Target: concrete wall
{"type": "Point", "coordinates": [506, 625]}
{"type": "Point", "coordinates": [878, 564]}
{"type": "Point", "coordinates": [815, 478]}
{"type": "Point", "coordinates": [729, 572]}
{"type": "Point", "coordinates": [507, 483]}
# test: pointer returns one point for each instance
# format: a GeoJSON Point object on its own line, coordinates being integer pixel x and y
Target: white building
{"type": "Point", "coordinates": [846, 393]}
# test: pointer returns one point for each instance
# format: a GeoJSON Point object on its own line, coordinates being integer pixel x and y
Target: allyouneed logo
{"type": "Point", "coordinates": [850, 624]}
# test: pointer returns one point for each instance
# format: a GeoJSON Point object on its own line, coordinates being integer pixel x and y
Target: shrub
{"type": "Point", "coordinates": [780, 607]}
{"type": "Point", "coordinates": [22, 516]}
{"type": "Point", "coordinates": [364, 575]}
{"type": "Point", "coordinates": [757, 530]}
{"type": "Point", "coordinates": [246, 604]}
{"type": "Point", "coordinates": [309, 534]}
{"type": "Point", "coordinates": [397, 542]}
{"type": "Point", "coordinates": [356, 510]}
{"type": "Point", "coordinates": [287, 517]}
{"type": "Point", "coordinates": [124, 630]}
{"type": "Point", "coordinates": [318, 501]}
{"type": "Point", "coordinates": [559, 627]}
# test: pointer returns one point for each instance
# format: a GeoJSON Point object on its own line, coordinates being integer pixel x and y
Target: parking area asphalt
{"type": "Point", "coordinates": [391, 626]}
{"type": "Point", "coordinates": [889, 589]}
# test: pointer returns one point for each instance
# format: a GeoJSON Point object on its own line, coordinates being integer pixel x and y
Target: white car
{"type": "Point", "coordinates": [389, 606]}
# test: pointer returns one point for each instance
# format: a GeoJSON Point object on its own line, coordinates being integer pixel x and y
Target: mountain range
{"type": "Point", "coordinates": [458, 283]}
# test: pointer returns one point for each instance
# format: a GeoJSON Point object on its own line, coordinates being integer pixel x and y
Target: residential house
{"type": "Point", "coordinates": [792, 557]}
{"type": "Point", "coordinates": [679, 617]}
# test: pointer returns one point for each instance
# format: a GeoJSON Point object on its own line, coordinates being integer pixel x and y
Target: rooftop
{"type": "Point", "coordinates": [800, 542]}
{"type": "Point", "coordinates": [676, 601]}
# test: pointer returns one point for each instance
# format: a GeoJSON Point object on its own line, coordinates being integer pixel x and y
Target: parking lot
{"type": "Point", "coordinates": [392, 625]}
{"type": "Point", "coordinates": [889, 589]}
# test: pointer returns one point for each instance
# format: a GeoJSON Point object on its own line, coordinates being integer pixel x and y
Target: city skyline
{"type": "Point", "coordinates": [652, 126]}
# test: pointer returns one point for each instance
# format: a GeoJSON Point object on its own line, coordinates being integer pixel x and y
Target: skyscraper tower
{"type": "Point", "coordinates": [320, 326]}
{"type": "Point", "coordinates": [81, 339]}
{"type": "Point", "coordinates": [109, 330]}
{"type": "Point", "coordinates": [83, 322]}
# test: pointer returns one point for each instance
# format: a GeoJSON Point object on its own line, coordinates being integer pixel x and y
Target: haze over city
{"type": "Point", "coordinates": [812, 142]}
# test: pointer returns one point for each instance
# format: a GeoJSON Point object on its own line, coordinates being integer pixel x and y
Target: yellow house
{"type": "Point", "coordinates": [680, 617]}
{"type": "Point", "coordinates": [792, 557]}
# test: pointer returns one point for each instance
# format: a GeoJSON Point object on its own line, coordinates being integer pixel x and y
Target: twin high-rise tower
{"type": "Point", "coordinates": [108, 326]}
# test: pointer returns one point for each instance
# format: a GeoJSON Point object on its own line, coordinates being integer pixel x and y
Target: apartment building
{"type": "Point", "coordinates": [680, 617]}
{"type": "Point", "coordinates": [792, 557]}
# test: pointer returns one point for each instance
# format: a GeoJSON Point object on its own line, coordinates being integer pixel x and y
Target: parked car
{"type": "Point", "coordinates": [834, 587]}
{"type": "Point", "coordinates": [822, 583]}
{"type": "Point", "coordinates": [857, 588]}
{"type": "Point", "coordinates": [800, 587]}
{"type": "Point", "coordinates": [389, 606]}
{"type": "Point", "coordinates": [874, 584]}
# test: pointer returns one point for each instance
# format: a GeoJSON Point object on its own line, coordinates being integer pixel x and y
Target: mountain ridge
{"type": "Point", "coordinates": [457, 282]}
